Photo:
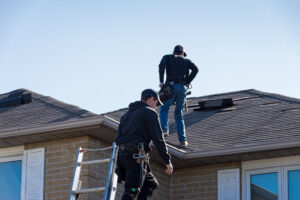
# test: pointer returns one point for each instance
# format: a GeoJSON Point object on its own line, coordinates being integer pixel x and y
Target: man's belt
{"type": "Point", "coordinates": [176, 82]}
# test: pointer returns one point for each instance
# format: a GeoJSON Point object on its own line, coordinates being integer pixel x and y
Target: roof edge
{"type": "Point", "coordinates": [241, 150]}
{"type": "Point", "coordinates": [22, 131]}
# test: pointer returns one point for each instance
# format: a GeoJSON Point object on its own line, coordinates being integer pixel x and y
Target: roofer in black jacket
{"type": "Point", "coordinates": [140, 125]}
{"type": "Point", "coordinates": [180, 73]}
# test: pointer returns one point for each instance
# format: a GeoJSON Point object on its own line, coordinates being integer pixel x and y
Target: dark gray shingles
{"type": "Point", "coordinates": [42, 110]}
{"type": "Point", "coordinates": [258, 118]}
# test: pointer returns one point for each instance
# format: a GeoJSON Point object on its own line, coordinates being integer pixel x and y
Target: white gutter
{"type": "Point", "coordinates": [245, 149]}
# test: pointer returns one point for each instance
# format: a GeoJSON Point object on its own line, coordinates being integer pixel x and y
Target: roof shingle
{"type": "Point", "coordinates": [256, 118]}
{"type": "Point", "coordinates": [42, 110]}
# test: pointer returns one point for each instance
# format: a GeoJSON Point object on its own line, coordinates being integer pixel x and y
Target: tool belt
{"type": "Point", "coordinates": [166, 92]}
{"type": "Point", "coordinates": [128, 149]}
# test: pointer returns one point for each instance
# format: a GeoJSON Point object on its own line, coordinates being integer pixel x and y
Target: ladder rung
{"type": "Point", "coordinates": [89, 190]}
{"type": "Point", "coordinates": [90, 162]}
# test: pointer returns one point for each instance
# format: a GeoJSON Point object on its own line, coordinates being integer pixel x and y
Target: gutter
{"type": "Point", "coordinates": [241, 150]}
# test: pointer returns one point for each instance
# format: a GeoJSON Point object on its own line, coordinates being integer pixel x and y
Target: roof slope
{"type": "Point", "coordinates": [41, 111]}
{"type": "Point", "coordinates": [256, 118]}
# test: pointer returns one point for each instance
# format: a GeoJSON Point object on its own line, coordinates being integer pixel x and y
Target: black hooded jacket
{"type": "Point", "coordinates": [141, 124]}
{"type": "Point", "coordinates": [178, 68]}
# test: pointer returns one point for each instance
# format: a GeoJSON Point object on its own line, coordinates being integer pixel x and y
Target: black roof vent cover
{"type": "Point", "coordinates": [11, 101]}
{"type": "Point", "coordinates": [214, 104]}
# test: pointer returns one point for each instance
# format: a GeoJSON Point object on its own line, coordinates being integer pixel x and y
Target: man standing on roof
{"type": "Point", "coordinates": [140, 125]}
{"type": "Point", "coordinates": [178, 69]}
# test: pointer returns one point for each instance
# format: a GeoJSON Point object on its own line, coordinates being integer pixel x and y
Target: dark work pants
{"type": "Point", "coordinates": [136, 183]}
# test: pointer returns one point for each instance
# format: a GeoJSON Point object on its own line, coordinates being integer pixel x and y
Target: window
{"type": "Point", "coordinates": [272, 179]}
{"type": "Point", "coordinates": [21, 173]}
{"type": "Point", "coordinates": [11, 172]}
{"type": "Point", "coordinates": [264, 186]}
{"type": "Point", "coordinates": [292, 180]}
{"type": "Point", "coordinates": [10, 178]}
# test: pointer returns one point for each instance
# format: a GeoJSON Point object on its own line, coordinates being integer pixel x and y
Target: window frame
{"type": "Point", "coordinates": [12, 154]}
{"type": "Point", "coordinates": [280, 165]}
{"type": "Point", "coordinates": [11, 159]}
{"type": "Point", "coordinates": [286, 179]}
{"type": "Point", "coordinates": [263, 171]}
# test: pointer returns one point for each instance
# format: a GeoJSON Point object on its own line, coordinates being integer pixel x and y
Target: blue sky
{"type": "Point", "coordinates": [100, 55]}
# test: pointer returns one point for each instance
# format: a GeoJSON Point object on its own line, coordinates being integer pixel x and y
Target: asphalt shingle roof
{"type": "Point", "coordinates": [256, 118]}
{"type": "Point", "coordinates": [42, 110]}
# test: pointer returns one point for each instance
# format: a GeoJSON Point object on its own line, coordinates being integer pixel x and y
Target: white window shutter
{"type": "Point", "coordinates": [33, 174]}
{"type": "Point", "coordinates": [229, 184]}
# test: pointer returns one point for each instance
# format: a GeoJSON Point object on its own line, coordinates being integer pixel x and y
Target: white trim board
{"type": "Point", "coordinates": [271, 162]}
{"type": "Point", "coordinates": [15, 151]}
{"type": "Point", "coordinates": [279, 165]}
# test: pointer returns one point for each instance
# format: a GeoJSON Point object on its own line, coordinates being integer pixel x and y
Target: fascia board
{"type": "Point", "coordinates": [111, 122]}
{"type": "Point", "coordinates": [22, 131]}
{"type": "Point", "coordinates": [248, 149]}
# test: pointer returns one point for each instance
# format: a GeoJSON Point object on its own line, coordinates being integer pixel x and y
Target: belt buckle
{"type": "Point", "coordinates": [136, 156]}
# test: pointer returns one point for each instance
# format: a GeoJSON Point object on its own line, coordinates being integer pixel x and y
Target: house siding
{"type": "Point", "coordinates": [198, 183]}
{"type": "Point", "coordinates": [60, 155]}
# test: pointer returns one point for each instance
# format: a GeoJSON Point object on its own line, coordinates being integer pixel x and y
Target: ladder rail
{"type": "Point", "coordinates": [76, 172]}
{"type": "Point", "coordinates": [111, 182]}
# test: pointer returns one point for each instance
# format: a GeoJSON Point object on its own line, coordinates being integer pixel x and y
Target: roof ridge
{"type": "Point", "coordinates": [225, 93]}
{"type": "Point", "coordinates": [64, 108]}
{"type": "Point", "coordinates": [254, 91]}
{"type": "Point", "coordinates": [19, 91]}
{"type": "Point", "coordinates": [282, 97]}
{"type": "Point", "coordinates": [121, 109]}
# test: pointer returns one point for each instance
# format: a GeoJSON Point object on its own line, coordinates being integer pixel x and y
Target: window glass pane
{"type": "Point", "coordinates": [10, 180]}
{"type": "Point", "coordinates": [264, 186]}
{"type": "Point", "coordinates": [294, 185]}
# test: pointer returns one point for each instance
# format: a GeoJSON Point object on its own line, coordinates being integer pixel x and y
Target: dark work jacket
{"type": "Point", "coordinates": [141, 124]}
{"type": "Point", "coordinates": [178, 69]}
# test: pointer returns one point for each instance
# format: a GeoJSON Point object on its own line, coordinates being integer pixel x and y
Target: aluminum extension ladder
{"type": "Point", "coordinates": [111, 182]}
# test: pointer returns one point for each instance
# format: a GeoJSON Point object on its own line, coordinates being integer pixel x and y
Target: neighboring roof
{"type": "Point", "coordinates": [257, 121]}
{"type": "Point", "coordinates": [43, 110]}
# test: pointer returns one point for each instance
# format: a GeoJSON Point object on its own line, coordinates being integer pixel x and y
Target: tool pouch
{"type": "Point", "coordinates": [166, 92]}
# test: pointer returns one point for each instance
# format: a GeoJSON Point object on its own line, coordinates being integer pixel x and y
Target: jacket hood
{"type": "Point", "coordinates": [136, 105]}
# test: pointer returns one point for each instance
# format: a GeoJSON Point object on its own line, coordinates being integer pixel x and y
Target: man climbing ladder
{"type": "Point", "coordinates": [137, 128]}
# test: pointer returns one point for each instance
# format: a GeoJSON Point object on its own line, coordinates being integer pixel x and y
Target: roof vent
{"type": "Point", "coordinates": [16, 100]}
{"type": "Point", "coordinates": [214, 104]}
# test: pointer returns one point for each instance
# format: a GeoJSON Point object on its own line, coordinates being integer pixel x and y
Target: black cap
{"type": "Point", "coordinates": [178, 49]}
{"type": "Point", "coordinates": [148, 93]}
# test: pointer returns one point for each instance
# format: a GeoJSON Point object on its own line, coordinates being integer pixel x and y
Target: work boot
{"type": "Point", "coordinates": [183, 144]}
{"type": "Point", "coordinates": [165, 134]}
